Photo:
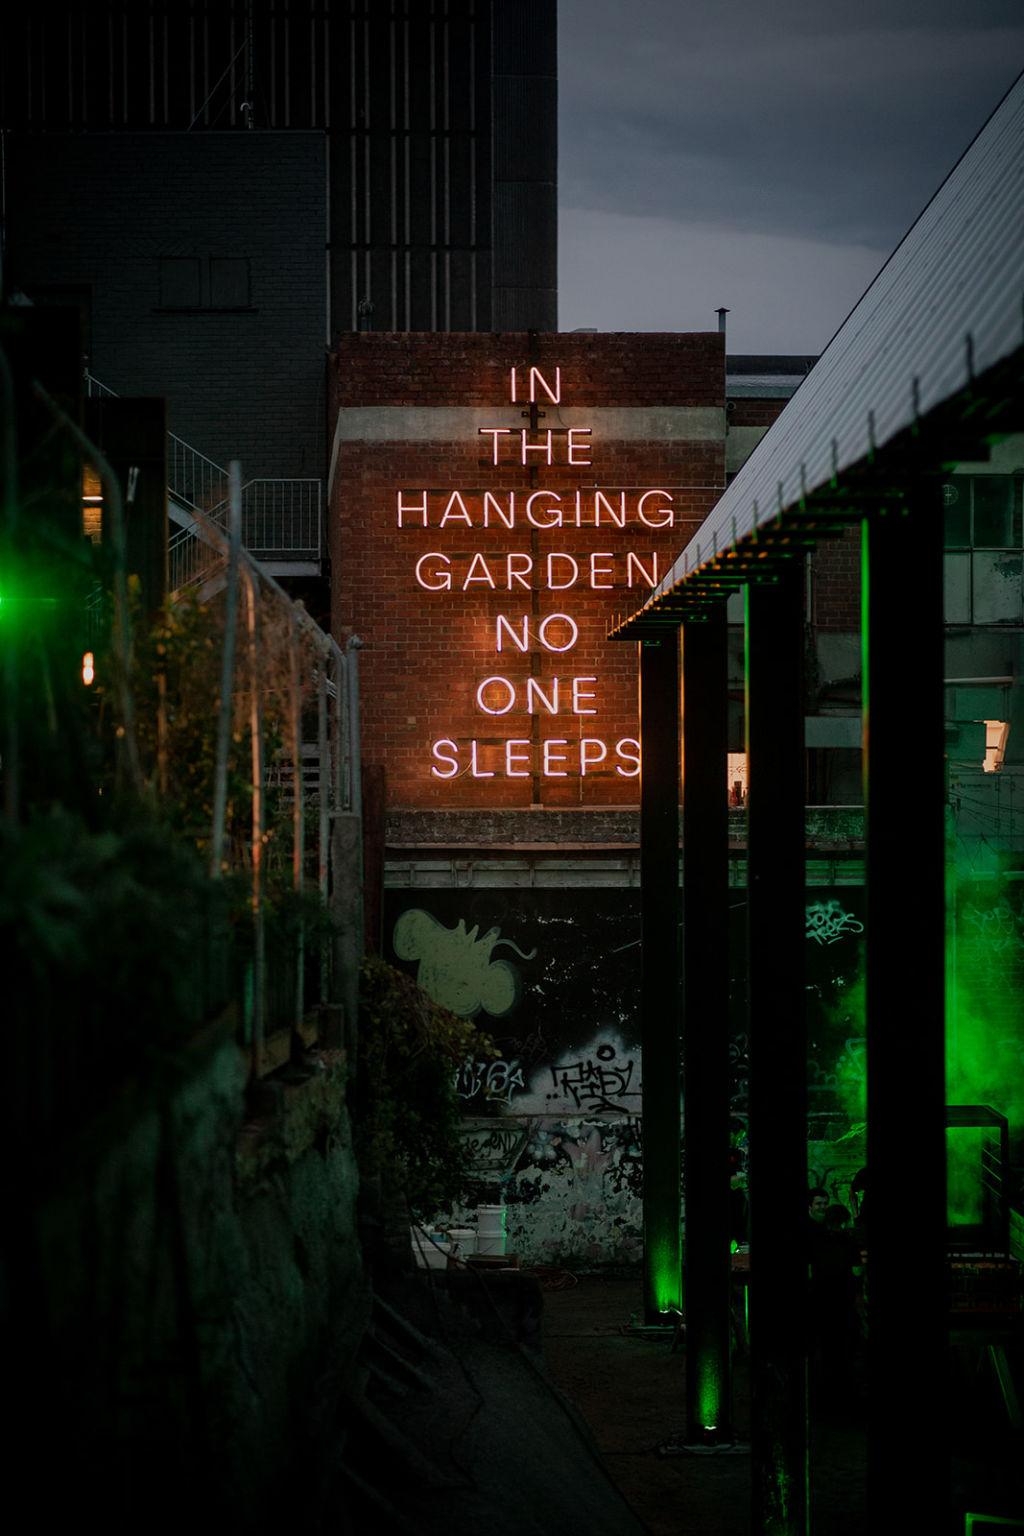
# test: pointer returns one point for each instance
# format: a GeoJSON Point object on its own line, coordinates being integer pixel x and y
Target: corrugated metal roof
{"type": "Point", "coordinates": [947, 305]}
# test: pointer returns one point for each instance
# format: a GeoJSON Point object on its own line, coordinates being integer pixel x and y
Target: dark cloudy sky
{"type": "Point", "coordinates": [762, 154]}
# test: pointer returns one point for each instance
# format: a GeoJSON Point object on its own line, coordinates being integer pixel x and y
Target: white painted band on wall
{"type": "Point", "coordinates": [458, 423]}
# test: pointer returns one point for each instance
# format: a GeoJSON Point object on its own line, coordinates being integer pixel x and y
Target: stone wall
{"type": "Point", "coordinates": [188, 1295]}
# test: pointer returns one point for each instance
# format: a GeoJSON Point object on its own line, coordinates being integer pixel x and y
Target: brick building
{"type": "Point", "coordinates": [504, 722]}
{"type": "Point", "coordinates": [448, 547]}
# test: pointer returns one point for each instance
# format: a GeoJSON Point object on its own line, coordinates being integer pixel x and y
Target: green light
{"type": "Point", "coordinates": [709, 1393]}
{"type": "Point", "coordinates": [665, 1272]}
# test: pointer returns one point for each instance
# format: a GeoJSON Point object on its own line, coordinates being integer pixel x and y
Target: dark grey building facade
{"type": "Point", "coordinates": [223, 186]}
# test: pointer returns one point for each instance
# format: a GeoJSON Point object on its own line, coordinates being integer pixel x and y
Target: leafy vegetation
{"type": "Point", "coordinates": [410, 1050]}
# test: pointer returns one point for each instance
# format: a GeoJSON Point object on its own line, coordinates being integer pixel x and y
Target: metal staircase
{"type": "Point", "coordinates": [281, 519]}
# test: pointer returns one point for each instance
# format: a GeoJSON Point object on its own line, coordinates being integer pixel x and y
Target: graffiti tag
{"type": "Point", "coordinates": [493, 1148]}
{"type": "Point", "coordinates": [496, 1080]}
{"type": "Point", "coordinates": [595, 1082]}
{"type": "Point", "coordinates": [827, 922]}
{"type": "Point", "coordinates": [997, 927]}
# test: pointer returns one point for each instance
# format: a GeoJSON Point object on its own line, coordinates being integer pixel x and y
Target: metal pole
{"type": "Point", "coordinates": [256, 738]}
{"type": "Point", "coordinates": [907, 1328]}
{"type": "Point", "coordinates": [9, 457]}
{"type": "Point", "coordinates": [298, 828]}
{"type": "Point", "coordinates": [339, 726]}
{"type": "Point", "coordinates": [660, 917]}
{"type": "Point", "coordinates": [227, 670]}
{"type": "Point", "coordinates": [352, 650]}
{"type": "Point", "coordinates": [778, 1055]}
{"type": "Point", "coordinates": [323, 756]}
{"type": "Point", "coordinates": [707, 1267]}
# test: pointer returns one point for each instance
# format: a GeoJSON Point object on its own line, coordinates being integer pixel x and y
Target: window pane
{"type": "Point", "coordinates": [958, 589]}
{"type": "Point", "coordinates": [997, 589]}
{"type": "Point", "coordinates": [229, 282]}
{"type": "Point", "coordinates": [956, 499]}
{"type": "Point", "coordinates": [993, 511]}
{"type": "Point", "coordinates": [179, 282]}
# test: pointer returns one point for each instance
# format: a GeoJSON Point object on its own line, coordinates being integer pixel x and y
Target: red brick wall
{"type": "Point", "coordinates": [745, 411]}
{"type": "Point", "coordinates": [836, 582]}
{"type": "Point", "coordinates": [427, 651]}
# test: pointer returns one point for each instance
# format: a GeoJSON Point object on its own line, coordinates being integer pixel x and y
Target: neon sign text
{"type": "Point", "coordinates": [537, 509]}
{"type": "Point", "coordinates": [521, 703]}
{"type": "Point", "coordinates": [556, 572]}
{"type": "Point", "coordinates": [520, 759]}
{"type": "Point", "coordinates": [534, 696]}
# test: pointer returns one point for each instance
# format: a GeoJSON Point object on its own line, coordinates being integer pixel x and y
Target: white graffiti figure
{"type": "Point", "coordinates": [455, 967]}
{"type": "Point", "coordinates": [827, 922]}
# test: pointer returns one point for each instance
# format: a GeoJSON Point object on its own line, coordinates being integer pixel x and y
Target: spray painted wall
{"type": "Point", "coordinates": [556, 1124]}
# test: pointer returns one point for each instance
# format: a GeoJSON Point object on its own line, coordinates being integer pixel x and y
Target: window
{"type": "Point", "coordinates": [180, 285]}
{"type": "Point", "coordinates": [229, 282]}
{"type": "Point", "coordinates": [192, 283]}
{"type": "Point", "coordinates": [984, 540]}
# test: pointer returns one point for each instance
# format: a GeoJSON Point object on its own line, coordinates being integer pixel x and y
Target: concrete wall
{"type": "Point", "coordinates": [555, 1126]}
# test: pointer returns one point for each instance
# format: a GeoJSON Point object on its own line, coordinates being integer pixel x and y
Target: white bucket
{"type": "Point", "coordinates": [429, 1255]}
{"type": "Point", "coordinates": [463, 1241]}
{"type": "Point", "coordinates": [490, 1229]}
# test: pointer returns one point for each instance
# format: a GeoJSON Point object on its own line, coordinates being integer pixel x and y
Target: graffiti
{"type": "Point", "coordinates": [827, 922]}
{"type": "Point", "coordinates": [493, 1148]}
{"type": "Point", "coordinates": [739, 1073]}
{"type": "Point", "coordinates": [600, 1081]}
{"type": "Point", "coordinates": [455, 967]}
{"type": "Point", "coordinates": [576, 1191]}
{"type": "Point", "coordinates": [998, 928]}
{"type": "Point", "coordinates": [497, 1080]}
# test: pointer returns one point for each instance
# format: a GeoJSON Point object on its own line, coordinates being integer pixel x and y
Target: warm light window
{"type": "Point", "coordinates": [737, 777]}
{"type": "Point", "coordinates": [996, 733]}
{"type": "Point", "coordinates": [92, 504]}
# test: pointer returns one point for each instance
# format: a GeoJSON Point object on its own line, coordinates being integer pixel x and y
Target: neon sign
{"type": "Point", "coordinates": [504, 693]}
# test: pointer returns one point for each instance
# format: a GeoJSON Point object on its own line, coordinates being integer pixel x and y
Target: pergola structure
{"type": "Point", "coordinates": [927, 371]}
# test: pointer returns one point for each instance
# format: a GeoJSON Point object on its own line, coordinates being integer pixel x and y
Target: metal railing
{"type": "Point", "coordinates": [280, 518]}
{"type": "Point", "coordinates": [191, 558]}
{"type": "Point", "coordinates": [192, 478]}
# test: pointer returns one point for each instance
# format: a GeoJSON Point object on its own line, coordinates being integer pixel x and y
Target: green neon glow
{"type": "Point", "coordinates": [709, 1393]}
{"type": "Point", "coordinates": [984, 1002]}
{"type": "Point", "coordinates": [664, 1268]}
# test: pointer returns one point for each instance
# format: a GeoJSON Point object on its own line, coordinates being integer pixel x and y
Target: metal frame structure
{"type": "Point", "coordinates": [928, 370]}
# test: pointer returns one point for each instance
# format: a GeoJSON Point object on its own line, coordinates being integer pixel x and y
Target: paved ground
{"type": "Point", "coordinates": [631, 1391]}
{"type": "Point", "coordinates": [533, 1412]}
